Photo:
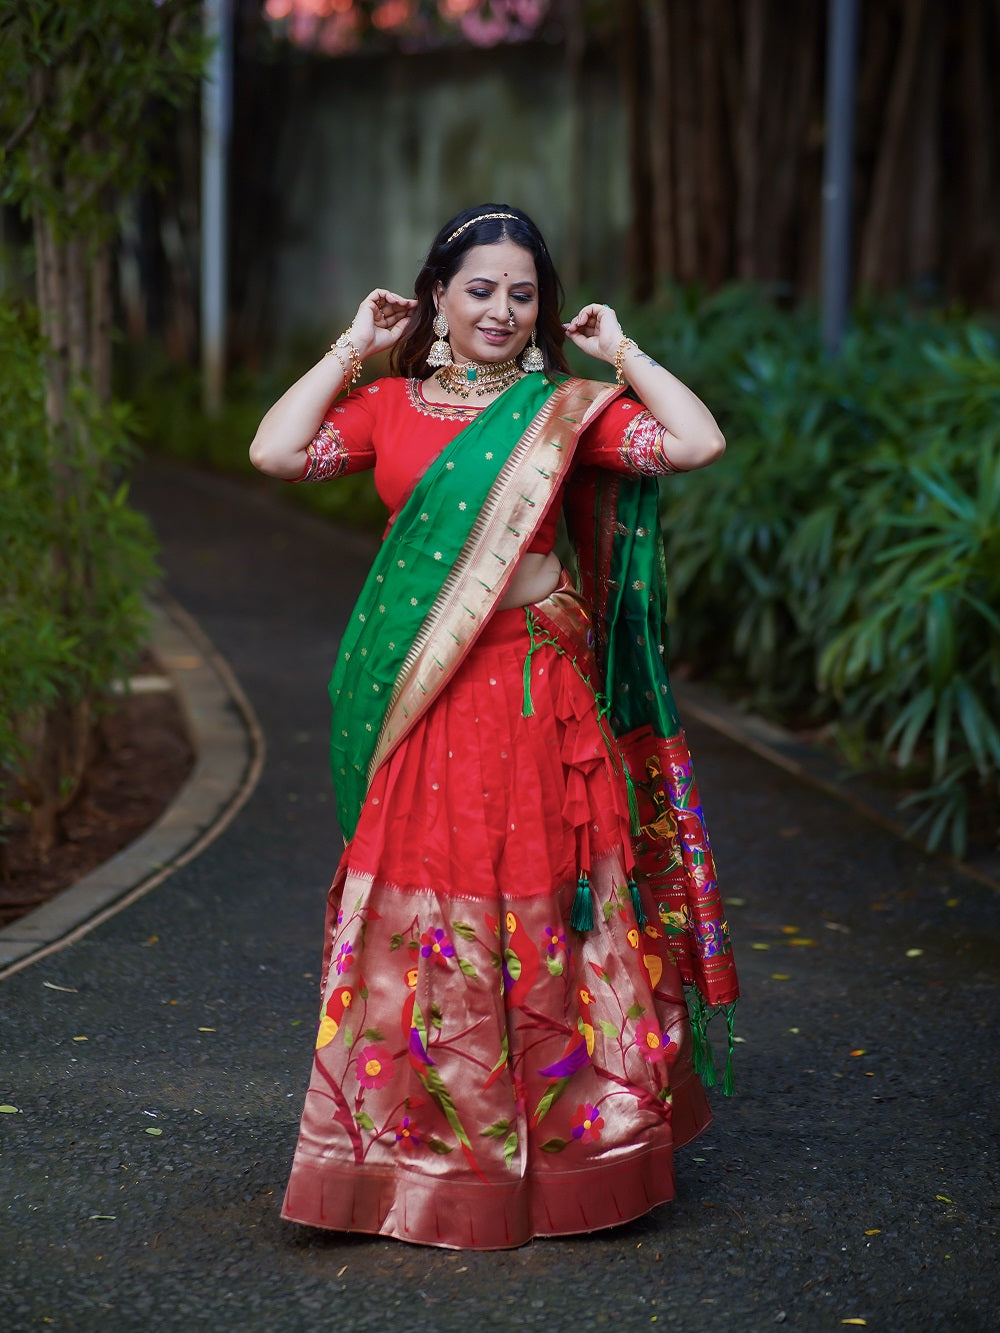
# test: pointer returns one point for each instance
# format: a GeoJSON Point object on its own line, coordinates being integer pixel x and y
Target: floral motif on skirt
{"type": "Point", "coordinates": [484, 1073]}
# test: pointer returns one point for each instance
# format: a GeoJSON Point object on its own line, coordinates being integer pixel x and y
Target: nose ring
{"type": "Point", "coordinates": [510, 312]}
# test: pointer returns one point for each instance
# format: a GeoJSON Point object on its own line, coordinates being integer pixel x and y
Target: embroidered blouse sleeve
{"type": "Point", "coordinates": [344, 441]}
{"type": "Point", "coordinates": [627, 438]}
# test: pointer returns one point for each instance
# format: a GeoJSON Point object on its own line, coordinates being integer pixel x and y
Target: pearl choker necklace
{"type": "Point", "coordinates": [479, 377]}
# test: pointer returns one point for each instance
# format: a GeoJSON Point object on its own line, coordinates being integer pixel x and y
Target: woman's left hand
{"type": "Point", "coordinates": [596, 331]}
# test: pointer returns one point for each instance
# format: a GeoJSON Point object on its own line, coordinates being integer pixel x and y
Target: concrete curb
{"type": "Point", "coordinates": [229, 747]}
{"type": "Point", "coordinates": [808, 764]}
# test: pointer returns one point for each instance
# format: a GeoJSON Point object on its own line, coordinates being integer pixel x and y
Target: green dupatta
{"type": "Point", "coordinates": [443, 568]}
{"type": "Point", "coordinates": [614, 523]}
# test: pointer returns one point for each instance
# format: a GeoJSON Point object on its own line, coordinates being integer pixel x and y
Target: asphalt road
{"type": "Point", "coordinates": [159, 1084]}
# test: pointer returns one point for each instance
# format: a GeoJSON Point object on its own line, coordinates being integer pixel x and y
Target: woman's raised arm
{"type": "Point", "coordinates": [288, 428]}
{"type": "Point", "coordinates": [693, 438]}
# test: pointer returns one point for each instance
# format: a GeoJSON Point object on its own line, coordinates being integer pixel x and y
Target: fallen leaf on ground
{"type": "Point", "coordinates": [206, 1029]}
{"type": "Point", "coordinates": [801, 939]}
{"type": "Point", "coordinates": [7, 1109]}
{"type": "Point", "coordinates": [944, 1198]}
{"type": "Point", "coordinates": [789, 930]}
{"type": "Point", "coordinates": [70, 990]}
{"type": "Point", "coordinates": [152, 1129]}
{"type": "Point", "coordinates": [859, 1052]}
{"type": "Point", "coordinates": [342, 1271]}
{"type": "Point", "coordinates": [914, 953]}
{"type": "Point", "coordinates": [780, 976]}
{"type": "Point", "coordinates": [81, 1039]}
{"type": "Point", "coordinates": [102, 1217]}
{"type": "Point", "coordinates": [760, 946]}
{"type": "Point", "coordinates": [854, 1321]}
{"type": "Point", "coordinates": [875, 1231]}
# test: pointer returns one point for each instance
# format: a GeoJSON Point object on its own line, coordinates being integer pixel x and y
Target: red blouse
{"type": "Point", "coordinates": [390, 426]}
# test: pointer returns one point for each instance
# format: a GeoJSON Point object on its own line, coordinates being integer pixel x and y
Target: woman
{"type": "Point", "coordinates": [504, 1048]}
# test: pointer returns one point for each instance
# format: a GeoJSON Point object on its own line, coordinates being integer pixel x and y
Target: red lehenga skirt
{"type": "Point", "coordinates": [483, 1072]}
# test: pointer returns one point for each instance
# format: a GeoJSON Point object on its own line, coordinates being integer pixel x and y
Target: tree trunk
{"type": "Point", "coordinates": [881, 246]}
{"type": "Point", "coordinates": [972, 263]}
{"type": "Point", "coordinates": [710, 158]}
{"type": "Point", "coordinates": [925, 235]}
{"type": "Point", "coordinates": [662, 138]}
{"type": "Point", "coordinates": [748, 147]}
{"type": "Point", "coordinates": [785, 146]}
{"type": "Point", "coordinates": [100, 323]}
{"type": "Point", "coordinates": [57, 744]}
{"type": "Point", "coordinates": [686, 117]}
{"type": "Point", "coordinates": [576, 166]}
{"type": "Point", "coordinates": [640, 244]}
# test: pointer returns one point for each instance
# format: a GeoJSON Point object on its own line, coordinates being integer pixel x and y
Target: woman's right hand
{"type": "Point", "coordinates": [382, 319]}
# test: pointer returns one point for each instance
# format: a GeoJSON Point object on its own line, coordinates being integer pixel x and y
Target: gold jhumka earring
{"type": "Point", "coordinates": [440, 353]}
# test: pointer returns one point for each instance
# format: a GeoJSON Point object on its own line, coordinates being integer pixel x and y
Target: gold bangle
{"type": "Point", "coordinates": [623, 347]}
{"type": "Point", "coordinates": [345, 345]}
{"type": "Point", "coordinates": [342, 357]}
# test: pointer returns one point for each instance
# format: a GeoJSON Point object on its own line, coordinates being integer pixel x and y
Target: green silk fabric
{"type": "Point", "coordinates": [415, 559]}
{"type": "Point", "coordinates": [635, 622]}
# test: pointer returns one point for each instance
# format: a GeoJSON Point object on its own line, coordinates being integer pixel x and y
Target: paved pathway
{"type": "Point", "coordinates": [159, 1063]}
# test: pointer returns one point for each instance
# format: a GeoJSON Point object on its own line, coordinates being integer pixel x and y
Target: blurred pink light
{"type": "Point", "coordinates": [391, 14]}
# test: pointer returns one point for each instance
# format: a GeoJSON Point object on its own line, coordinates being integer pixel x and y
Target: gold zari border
{"type": "Point", "coordinates": [512, 513]}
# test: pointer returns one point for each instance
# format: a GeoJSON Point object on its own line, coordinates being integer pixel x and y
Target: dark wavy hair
{"type": "Point", "coordinates": [409, 356]}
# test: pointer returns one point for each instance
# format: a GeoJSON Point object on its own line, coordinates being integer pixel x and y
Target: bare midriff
{"type": "Point", "coordinates": [536, 576]}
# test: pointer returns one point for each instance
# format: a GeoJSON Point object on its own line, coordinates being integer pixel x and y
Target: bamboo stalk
{"type": "Point", "coordinates": [662, 160]}
{"type": "Point", "coordinates": [879, 265]}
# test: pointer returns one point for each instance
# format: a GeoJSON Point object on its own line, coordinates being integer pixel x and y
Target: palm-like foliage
{"type": "Point", "coordinates": [843, 563]}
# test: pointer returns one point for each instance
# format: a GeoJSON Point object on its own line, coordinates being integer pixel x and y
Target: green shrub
{"type": "Point", "coordinates": [843, 564]}
{"type": "Point", "coordinates": [74, 558]}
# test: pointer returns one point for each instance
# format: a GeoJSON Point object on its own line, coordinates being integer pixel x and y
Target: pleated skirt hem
{"type": "Point", "coordinates": [476, 1216]}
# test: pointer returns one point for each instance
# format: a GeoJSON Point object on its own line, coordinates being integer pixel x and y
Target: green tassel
{"type": "Point", "coordinates": [701, 1048]}
{"type": "Point", "coordinates": [528, 708]}
{"type": "Point", "coordinates": [634, 827]}
{"type": "Point", "coordinates": [728, 1082]}
{"type": "Point", "coordinates": [582, 916]}
{"type": "Point", "coordinates": [640, 915]}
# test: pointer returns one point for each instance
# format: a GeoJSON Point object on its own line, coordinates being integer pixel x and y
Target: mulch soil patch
{"type": "Point", "coordinates": [141, 757]}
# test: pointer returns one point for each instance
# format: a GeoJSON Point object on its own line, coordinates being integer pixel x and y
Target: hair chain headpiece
{"type": "Point", "coordinates": [482, 217]}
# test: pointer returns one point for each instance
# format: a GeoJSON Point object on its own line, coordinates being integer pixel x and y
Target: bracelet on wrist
{"type": "Point", "coordinates": [348, 356]}
{"type": "Point", "coordinates": [623, 350]}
